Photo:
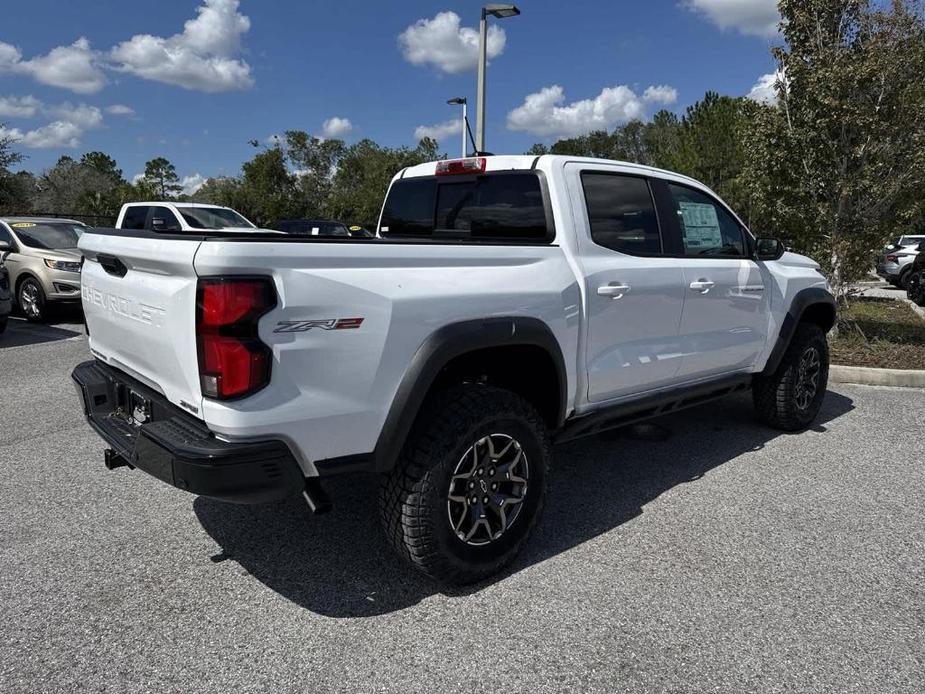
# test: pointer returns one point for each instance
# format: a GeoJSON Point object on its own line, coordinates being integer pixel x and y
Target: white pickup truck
{"type": "Point", "coordinates": [511, 302]}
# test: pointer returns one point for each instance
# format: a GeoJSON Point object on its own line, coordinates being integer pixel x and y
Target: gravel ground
{"type": "Point", "coordinates": [703, 554]}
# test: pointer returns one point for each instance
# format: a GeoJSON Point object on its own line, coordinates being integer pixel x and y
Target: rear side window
{"type": "Point", "coordinates": [706, 227]}
{"type": "Point", "coordinates": [492, 207]}
{"type": "Point", "coordinates": [621, 213]}
{"type": "Point", "coordinates": [167, 220]}
{"type": "Point", "coordinates": [135, 217]}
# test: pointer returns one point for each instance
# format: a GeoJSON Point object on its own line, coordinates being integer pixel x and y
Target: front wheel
{"type": "Point", "coordinates": [32, 300]}
{"type": "Point", "coordinates": [469, 484]}
{"type": "Point", "coordinates": [791, 397]}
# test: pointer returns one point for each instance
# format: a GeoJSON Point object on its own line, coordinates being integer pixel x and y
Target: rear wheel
{"type": "Point", "coordinates": [791, 397]}
{"type": "Point", "coordinates": [31, 300]}
{"type": "Point", "coordinates": [469, 484]}
{"type": "Point", "coordinates": [903, 282]}
{"type": "Point", "coordinates": [916, 289]}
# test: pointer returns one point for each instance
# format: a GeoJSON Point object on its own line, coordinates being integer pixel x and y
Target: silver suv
{"type": "Point", "coordinates": [44, 263]}
{"type": "Point", "coordinates": [895, 261]}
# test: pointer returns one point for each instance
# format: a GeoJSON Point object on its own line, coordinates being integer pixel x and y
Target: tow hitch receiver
{"type": "Point", "coordinates": [113, 460]}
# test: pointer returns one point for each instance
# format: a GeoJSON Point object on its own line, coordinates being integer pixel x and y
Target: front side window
{"type": "Point", "coordinates": [707, 229]}
{"type": "Point", "coordinates": [621, 213]}
{"type": "Point", "coordinates": [49, 236]}
{"type": "Point", "coordinates": [491, 207]}
{"type": "Point", "coordinates": [135, 217]}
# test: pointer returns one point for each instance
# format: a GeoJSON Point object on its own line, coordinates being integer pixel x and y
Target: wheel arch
{"type": "Point", "coordinates": [518, 353]}
{"type": "Point", "coordinates": [813, 305]}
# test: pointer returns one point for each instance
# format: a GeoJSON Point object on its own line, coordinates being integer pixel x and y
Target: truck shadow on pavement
{"type": "Point", "coordinates": [20, 333]}
{"type": "Point", "coordinates": [339, 565]}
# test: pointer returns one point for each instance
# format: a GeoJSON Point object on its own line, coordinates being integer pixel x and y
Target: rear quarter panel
{"type": "Point", "coordinates": [331, 390]}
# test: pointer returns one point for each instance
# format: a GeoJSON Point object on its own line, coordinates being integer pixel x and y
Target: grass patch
{"type": "Point", "coordinates": [882, 333]}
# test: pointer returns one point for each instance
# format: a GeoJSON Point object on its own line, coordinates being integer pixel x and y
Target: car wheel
{"type": "Point", "coordinates": [916, 289]}
{"type": "Point", "coordinates": [469, 484]}
{"type": "Point", "coordinates": [791, 397]}
{"type": "Point", "coordinates": [31, 300]}
{"type": "Point", "coordinates": [904, 280]}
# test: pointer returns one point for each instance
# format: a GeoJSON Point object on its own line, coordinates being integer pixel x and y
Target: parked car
{"type": "Point", "coordinates": [181, 217]}
{"type": "Point", "coordinates": [894, 263]}
{"type": "Point", "coordinates": [916, 285]}
{"type": "Point", "coordinates": [6, 296]}
{"type": "Point", "coordinates": [312, 227]}
{"type": "Point", "coordinates": [509, 302]}
{"type": "Point", "coordinates": [43, 262]}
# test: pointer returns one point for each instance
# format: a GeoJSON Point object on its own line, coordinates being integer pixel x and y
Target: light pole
{"type": "Point", "coordinates": [499, 12]}
{"type": "Point", "coordinates": [465, 119]}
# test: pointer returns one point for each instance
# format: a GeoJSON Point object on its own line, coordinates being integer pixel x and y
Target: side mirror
{"type": "Point", "coordinates": [158, 223]}
{"type": "Point", "coordinates": [769, 249]}
{"type": "Point", "coordinates": [921, 248]}
{"type": "Point", "coordinates": [5, 247]}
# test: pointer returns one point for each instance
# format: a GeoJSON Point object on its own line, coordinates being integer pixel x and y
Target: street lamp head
{"type": "Point", "coordinates": [457, 101]}
{"type": "Point", "coordinates": [500, 11]}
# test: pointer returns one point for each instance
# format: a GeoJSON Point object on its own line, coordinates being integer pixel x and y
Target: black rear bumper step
{"type": "Point", "coordinates": [177, 448]}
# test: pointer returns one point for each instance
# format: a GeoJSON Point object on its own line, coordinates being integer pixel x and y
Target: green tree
{"type": "Point", "coordinates": [266, 188]}
{"type": "Point", "coordinates": [220, 190]}
{"type": "Point", "coordinates": [104, 164]}
{"type": "Point", "coordinates": [364, 174]}
{"type": "Point", "coordinates": [316, 161]}
{"type": "Point", "coordinates": [162, 177]}
{"type": "Point", "coordinates": [10, 188]}
{"type": "Point", "coordinates": [839, 163]}
{"type": "Point", "coordinates": [70, 187]}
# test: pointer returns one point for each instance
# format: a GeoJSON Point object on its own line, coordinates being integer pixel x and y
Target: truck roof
{"type": "Point", "coordinates": [507, 162]}
{"type": "Point", "coordinates": [40, 220]}
{"type": "Point", "coordinates": [176, 204]}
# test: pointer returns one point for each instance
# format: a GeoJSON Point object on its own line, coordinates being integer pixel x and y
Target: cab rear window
{"type": "Point", "coordinates": [494, 207]}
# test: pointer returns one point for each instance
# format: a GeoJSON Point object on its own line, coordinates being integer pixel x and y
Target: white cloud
{"type": "Point", "coordinates": [120, 110]}
{"type": "Point", "coordinates": [19, 106]}
{"type": "Point", "coordinates": [273, 140]}
{"type": "Point", "coordinates": [336, 127]}
{"type": "Point", "coordinates": [192, 183]}
{"type": "Point", "coordinates": [75, 67]}
{"type": "Point", "coordinates": [138, 178]}
{"type": "Point", "coordinates": [442, 42]}
{"type": "Point", "coordinates": [440, 131]}
{"type": "Point", "coordinates": [752, 17]}
{"type": "Point", "coordinates": [202, 58]}
{"type": "Point", "coordinates": [661, 94]}
{"type": "Point", "coordinates": [544, 114]}
{"type": "Point", "coordinates": [69, 124]}
{"type": "Point", "coordinates": [765, 88]}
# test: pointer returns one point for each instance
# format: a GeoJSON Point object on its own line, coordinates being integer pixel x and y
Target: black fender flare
{"type": "Point", "coordinates": [803, 300]}
{"type": "Point", "coordinates": [438, 350]}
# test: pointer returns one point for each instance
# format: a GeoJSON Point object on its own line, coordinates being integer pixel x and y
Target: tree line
{"type": "Point", "coordinates": [835, 165]}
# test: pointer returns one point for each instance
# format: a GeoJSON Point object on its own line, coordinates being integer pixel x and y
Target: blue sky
{"type": "Point", "coordinates": [194, 80]}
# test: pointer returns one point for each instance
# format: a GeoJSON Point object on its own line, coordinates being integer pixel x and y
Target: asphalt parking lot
{"type": "Point", "coordinates": [707, 554]}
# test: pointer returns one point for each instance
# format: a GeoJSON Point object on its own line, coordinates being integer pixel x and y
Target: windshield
{"type": "Point", "coordinates": [214, 218]}
{"type": "Point", "coordinates": [48, 236]}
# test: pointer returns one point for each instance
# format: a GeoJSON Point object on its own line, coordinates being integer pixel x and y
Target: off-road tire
{"type": "Point", "coordinates": [413, 497]}
{"type": "Point", "coordinates": [777, 395]}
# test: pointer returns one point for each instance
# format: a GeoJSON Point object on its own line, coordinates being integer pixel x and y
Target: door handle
{"type": "Point", "coordinates": [702, 286]}
{"type": "Point", "coordinates": [614, 290]}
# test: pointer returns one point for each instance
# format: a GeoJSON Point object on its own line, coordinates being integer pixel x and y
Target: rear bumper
{"type": "Point", "coordinates": [177, 448]}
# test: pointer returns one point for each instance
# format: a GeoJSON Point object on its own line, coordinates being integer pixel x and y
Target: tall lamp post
{"type": "Point", "coordinates": [465, 118]}
{"type": "Point", "coordinates": [499, 12]}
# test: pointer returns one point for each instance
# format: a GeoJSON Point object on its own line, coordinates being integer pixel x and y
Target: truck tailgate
{"type": "Point", "coordinates": [139, 298]}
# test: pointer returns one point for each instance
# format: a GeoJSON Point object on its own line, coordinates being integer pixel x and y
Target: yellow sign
{"type": "Point", "coordinates": [22, 225]}
{"type": "Point", "coordinates": [355, 228]}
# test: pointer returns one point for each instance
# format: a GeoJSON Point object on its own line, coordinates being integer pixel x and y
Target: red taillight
{"type": "Point", "coordinates": [233, 362]}
{"type": "Point", "coordinates": [892, 259]}
{"type": "Point", "coordinates": [453, 167]}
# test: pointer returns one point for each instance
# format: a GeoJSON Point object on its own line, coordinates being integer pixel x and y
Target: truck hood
{"type": "Point", "coordinates": [797, 260]}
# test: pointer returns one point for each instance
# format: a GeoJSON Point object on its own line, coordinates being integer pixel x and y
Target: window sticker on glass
{"type": "Point", "coordinates": [700, 225]}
